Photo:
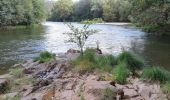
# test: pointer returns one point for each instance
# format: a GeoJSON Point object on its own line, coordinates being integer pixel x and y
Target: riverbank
{"type": "Point", "coordinates": [56, 79]}
{"type": "Point", "coordinates": [4, 28]}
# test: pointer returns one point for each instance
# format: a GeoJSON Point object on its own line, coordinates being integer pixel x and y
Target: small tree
{"type": "Point", "coordinates": [80, 35]}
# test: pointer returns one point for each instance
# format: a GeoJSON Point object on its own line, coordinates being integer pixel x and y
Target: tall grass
{"type": "Point", "coordinates": [156, 74]}
{"type": "Point", "coordinates": [166, 87]}
{"type": "Point", "coordinates": [91, 60]}
{"type": "Point", "coordinates": [132, 61]}
{"type": "Point", "coordinates": [45, 56]}
{"type": "Point", "coordinates": [17, 72]}
{"type": "Point", "coordinates": [109, 94]}
{"type": "Point", "coordinates": [121, 73]}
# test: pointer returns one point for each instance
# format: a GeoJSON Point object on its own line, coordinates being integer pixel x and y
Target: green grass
{"type": "Point", "coordinates": [83, 66]}
{"type": "Point", "coordinates": [12, 98]}
{"type": "Point", "coordinates": [90, 61]}
{"type": "Point", "coordinates": [166, 87]}
{"type": "Point", "coordinates": [156, 74]}
{"type": "Point", "coordinates": [132, 61]}
{"type": "Point", "coordinates": [121, 73]}
{"type": "Point", "coordinates": [17, 72]}
{"type": "Point", "coordinates": [45, 56]}
{"type": "Point", "coordinates": [109, 94]}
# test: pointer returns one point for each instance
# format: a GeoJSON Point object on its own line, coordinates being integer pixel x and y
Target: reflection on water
{"type": "Point", "coordinates": [23, 44]}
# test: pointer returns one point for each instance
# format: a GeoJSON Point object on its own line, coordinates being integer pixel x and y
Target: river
{"type": "Point", "coordinates": [23, 44]}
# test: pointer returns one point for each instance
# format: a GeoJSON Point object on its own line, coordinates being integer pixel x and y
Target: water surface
{"type": "Point", "coordinates": [23, 44]}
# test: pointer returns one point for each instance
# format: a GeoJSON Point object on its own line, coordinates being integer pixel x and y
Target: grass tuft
{"type": "Point", "coordinates": [132, 61]}
{"type": "Point", "coordinates": [17, 72]}
{"type": "Point", "coordinates": [156, 74]}
{"type": "Point", "coordinates": [166, 87]}
{"type": "Point", "coordinates": [45, 56]}
{"type": "Point", "coordinates": [109, 94]}
{"type": "Point", "coordinates": [121, 73]}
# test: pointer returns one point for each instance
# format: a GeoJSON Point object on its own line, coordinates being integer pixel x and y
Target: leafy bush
{"type": "Point", "coordinates": [166, 87]}
{"type": "Point", "coordinates": [132, 61]}
{"type": "Point", "coordinates": [93, 21]}
{"type": "Point", "coordinates": [121, 73]}
{"type": "Point", "coordinates": [45, 56]}
{"type": "Point", "coordinates": [17, 72]}
{"type": "Point", "coordinates": [155, 74]}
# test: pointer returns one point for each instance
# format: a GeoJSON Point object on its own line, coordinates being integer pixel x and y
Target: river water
{"type": "Point", "coordinates": [23, 44]}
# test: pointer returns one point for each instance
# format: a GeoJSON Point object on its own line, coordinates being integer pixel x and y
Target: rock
{"type": "Point", "coordinates": [158, 97]}
{"type": "Point", "coordinates": [29, 70]}
{"type": "Point", "coordinates": [26, 90]}
{"type": "Point", "coordinates": [148, 91]}
{"type": "Point", "coordinates": [93, 89]}
{"type": "Point", "coordinates": [72, 51]}
{"type": "Point", "coordinates": [49, 95]}
{"type": "Point", "coordinates": [33, 96]}
{"type": "Point", "coordinates": [67, 95]}
{"type": "Point", "coordinates": [11, 95]}
{"type": "Point", "coordinates": [17, 65]}
{"type": "Point", "coordinates": [130, 93]}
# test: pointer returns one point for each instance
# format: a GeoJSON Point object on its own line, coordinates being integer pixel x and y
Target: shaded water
{"type": "Point", "coordinates": [23, 44]}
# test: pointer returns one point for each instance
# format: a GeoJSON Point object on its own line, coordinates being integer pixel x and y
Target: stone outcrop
{"type": "Point", "coordinates": [55, 81]}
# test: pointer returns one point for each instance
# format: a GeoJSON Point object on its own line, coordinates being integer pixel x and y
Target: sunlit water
{"type": "Point", "coordinates": [23, 44]}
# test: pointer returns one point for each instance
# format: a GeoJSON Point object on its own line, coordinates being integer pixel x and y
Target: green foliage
{"type": "Point", "coordinates": [121, 73]}
{"type": "Point", "coordinates": [108, 94]}
{"type": "Point", "coordinates": [62, 10]}
{"type": "Point", "coordinates": [105, 60]}
{"type": "Point", "coordinates": [110, 10]}
{"type": "Point", "coordinates": [156, 74]}
{"type": "Point", "coordinates": [166, 87]}
{"type": "Point", "coordinates": [93, 21]}
{"type": "Point", "coordinates": [84, 66]}
{"type": "Point", "coordinates": [89, 61]}
{"type": "Point", "coordinates": [18, 97]}
{"type": "Point", "coordinates": [21, 12]}
{"type": "Point", "coordinates": [151, 12]}
{"type": "Point", "coordinates": [80, 35]}
{"type": "Point", "coordinates": [17, 72]}
{"type": "Point", "coordinates": [45, 56]}
{"type": "Point", "coordinates": [132, 61]}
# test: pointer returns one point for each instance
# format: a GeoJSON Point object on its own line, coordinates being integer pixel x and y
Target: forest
{"type": "Point", "coordinates": [21, 12]}
{"type": "Point", "coordinates": [152, 15]}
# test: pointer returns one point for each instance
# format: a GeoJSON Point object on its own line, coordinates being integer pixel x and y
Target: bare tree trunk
{"type": "Point", "coordinates": [81, 50]}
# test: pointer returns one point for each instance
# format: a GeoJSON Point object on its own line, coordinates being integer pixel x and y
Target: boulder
{"type": "Point", "coordinates": [94, 89]}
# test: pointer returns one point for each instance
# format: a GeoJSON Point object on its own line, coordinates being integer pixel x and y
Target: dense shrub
{"type": "Point", "coordinates": [156, 74]}
{"type": "Point", "coordinates": [132, 61]}
{"type": "Point", "coordinates": [45, 56]}
{"type": "Point", "coordinates": [121, 73]}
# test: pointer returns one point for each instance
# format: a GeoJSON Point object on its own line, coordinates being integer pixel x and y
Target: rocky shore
{"type": "Point", "coordinates": [55, 80]}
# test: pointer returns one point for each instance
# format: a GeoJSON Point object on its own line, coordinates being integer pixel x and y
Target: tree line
{"type": "Point", "coordinates": [153, 13]}
{"type": "Point", "coordinates": [21, 12]}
